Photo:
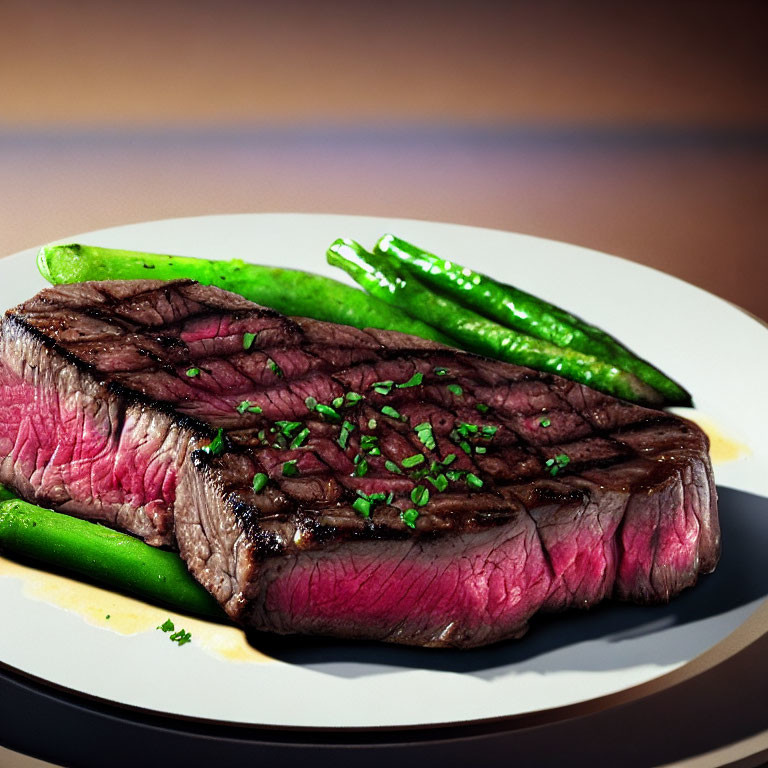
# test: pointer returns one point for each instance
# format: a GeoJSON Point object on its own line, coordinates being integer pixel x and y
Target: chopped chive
{"type": "Point", "coordinates": [311, 403]}
{"type": "Point", "coordinates": [455, 474]}
{"type": "Point", "coordinates": [420, 495]}
{"type": "Point", "coordinates": [390, 497]}
{"type": "Point", "coordinates": [392, 467]}
{"type": "Point", "coordinates": [167, 626]}
{"type": "Point", "coordinates": [370, 444]}
{"type": "Point", "coordinates": [474, 481]}
{"type": "Point", "coordinates": [259, 481]}
{"type": "Point", "coordinates": [255, 409]}
{"type": "Point", "coordinates": [409, 517]}
{"type": "Point", "coordinates": [287, 427]}
{"type": "Point", "coordinates": [337, 402]}
{"type": "Point", "coordinates": [290, 469]}
{"type": "Point", "coordinates": [557, 463]}
{"type": "Point", "coordinates": [193, 372]}
{"type": "Point", "coordinates": [300, 439]}
{"type": "Point", "coordinates": [466, 447]}
{"type": "Point", "coordinates": [216, 446]}
{"type": "Point", "coordinates": [327, 411]}
{"type": "Point", "coordinates": [488, 431]}
{"type": "Point", "coordinates": [363, 506]}
{"type": "Point", "coordinates": [243, 406]}
{"type": "Point", "coordinates": [391, 412]}
{"type": "Point", "coordinates": [274, 367]}
{"type": "Point", "coordinates": [544, 423]}
{"type": "Point", "coordinates": [361, 468]}
{"type": "Point", "coordinates": [480, 449]}
{"type": "Point", "coordinates": [425, 435]}
{"type": "Point", "coordinates": [181, 637]}
{"type": "Point", "coordinates": [346, 430]}
{"type": "Point", "coordinates": [414, 381]}
{"type": "Point", "coordinates": [449, 459]}
{"type": "Point", "coordinates": [441, 371]}
{"type": "Point", "coordinates": [465, 429]}
{"type": "Point", "coordinates": [440, 482]}
{"type": "Point", "coordinates": [482, 407]}
{"type": "Point", "coordinates": [383, 387]}
{"type": "Point", "coordinates": [372, 423]}
{"type": "Point", "coordinates": [248, 339]}
{"type": "Point", "coordinates": [352, 398]}
{"type": "Point", "coordinates": [455, 389]}
{"type": "Point", "coordinates": [413, 461]}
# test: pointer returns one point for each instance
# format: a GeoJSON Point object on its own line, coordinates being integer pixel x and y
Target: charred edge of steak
{"type": "Point", "coordinates": [128, 395]}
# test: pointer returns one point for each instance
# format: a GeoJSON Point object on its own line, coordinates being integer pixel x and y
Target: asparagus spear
{"type": "Point", "coordinates": [521, 311]}
{"type": "Point", "coordinates": [288, 291]}
{"type": "Point", "coordinates": [106, 556]}
{"type": "Point", "coordinates": [479, 334]}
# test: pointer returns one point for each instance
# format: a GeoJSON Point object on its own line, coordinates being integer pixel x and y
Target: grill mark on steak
{"type": "Point", "coordinates": [281, 560]}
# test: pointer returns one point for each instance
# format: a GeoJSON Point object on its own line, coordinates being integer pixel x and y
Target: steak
{"type": "Point", "coordinates": [326, 480]}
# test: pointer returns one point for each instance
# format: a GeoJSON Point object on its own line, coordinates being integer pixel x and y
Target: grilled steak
{"type": "Point", "coordinates": [322, 479]}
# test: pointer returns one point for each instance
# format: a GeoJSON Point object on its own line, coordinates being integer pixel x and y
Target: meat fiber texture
{"type": "Point", "coordinates": [558, 496]}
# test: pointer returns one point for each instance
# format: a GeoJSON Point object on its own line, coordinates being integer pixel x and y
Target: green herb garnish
{"type": "Point", "coordinates": [248, 339]}
{"type": "Point", "coordinates": [181, 637]}
{"type": "Point", "coordinates": [441, 371]}
{"type": "Point", "coordinates": [352, 398]}
{"type": "Point", "coordinates": [274, 367]}
{"type": "Point", "coordinates": [361, 466]}
{"type": "Point", "coordinates": [392, 467]}
{"type": "Point", "coordinates": [557, 463]}
{"type": "Point", "coordinates": [383, 387]}
{"type": "Point", "coordinates": [216, 446]}
{"type": "Point", "coordinates": [372, 423]}
{"type": "Point", "coordinates": [167, 626]}
{"type": "Point", "coordinates": [449, 459]}
{"type": "Point", "coordinates": [287, 427]}
{"type": "Point", "coordinates": [425, 435]}
{"type": "Point", "coordinates": [488, 431]}
{"type": "Point", "coordinates": [245, 405]}
{"type": "Point", "coordinates": [474, 481]}
{"type": "Point", "coordinates": [456, 389]}
{"type": "Point", "coordinates": [544, 423]}
{"type": "Point", "coordinates": [413, 461]}
{"type": "Point", "coordinates": [346, 430]}
{"type": "Point", "coordinates": [414, 381]}
{"type": "Point", "coordinates": [259, 481]}
{"type": "Point", "coordinates": [363, 506]}
{"type": "Point", "coordinates": [440, 482]}
{"type": "Point", "coordinates": [191, 372]}
{"type": "Point", "coordinates": [420, 495]}
{"type": "Point", "coordinates": [482, 407]}
{"type": "Point", "coordinates": [370, 444]}
{"type": "Point", "coordinates": [391, 412]}
{"type": "Point", "coordinates": [300, 439]}
{"type": "Point", "coordinates": [409, 517]}
{"type": "Point", "coordinates": [310, 402]}
{"type": "Point", "coordinates": [328, 412]}
{"type": "Point", "coordinates": [290, 469]}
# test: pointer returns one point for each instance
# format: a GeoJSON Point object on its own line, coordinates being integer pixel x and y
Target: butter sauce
{"type": "Point", "coordinates": [722, 447]}
{"type": "Point", "coordinates": [126, 616]}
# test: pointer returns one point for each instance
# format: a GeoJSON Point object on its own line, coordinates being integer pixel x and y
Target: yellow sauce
{"type": "Point", "coordinates": [126, 615]}
{"type": "Point", "coordinates": [722, 448]}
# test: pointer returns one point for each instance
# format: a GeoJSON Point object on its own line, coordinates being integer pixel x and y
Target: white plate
{"type": "Point", "coordinates": [717, 351]}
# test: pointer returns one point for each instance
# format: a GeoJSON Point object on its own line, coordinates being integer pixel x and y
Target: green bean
{"type": "Point", "coordinates": [524, 312]}
{"type": "Point", "coordinates": [377, 274]}
{"type": "Point", "coordinates": [288, 291]}
{"type": "Point", "coordinates": [106, 556]}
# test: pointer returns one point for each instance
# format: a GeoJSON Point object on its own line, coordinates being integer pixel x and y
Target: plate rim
{"type": "Point", "coordinates": [741, 637]}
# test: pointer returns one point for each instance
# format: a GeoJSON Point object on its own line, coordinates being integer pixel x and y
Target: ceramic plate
{"type": "Point", "coordinates": [59, 632]}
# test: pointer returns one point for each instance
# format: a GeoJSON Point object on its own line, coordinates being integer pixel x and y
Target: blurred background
{"type": "Point", "coordinates": [640, 129]}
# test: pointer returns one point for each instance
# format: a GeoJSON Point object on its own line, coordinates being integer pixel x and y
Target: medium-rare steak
{"type": "Point", "coordinates": [367, 484]}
